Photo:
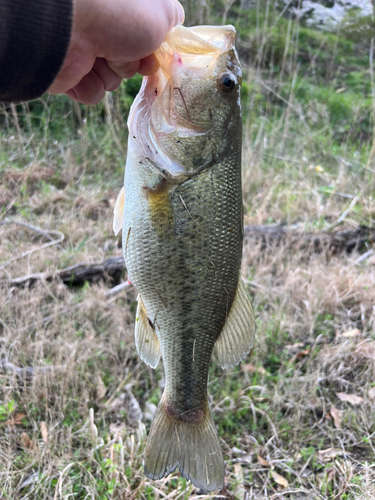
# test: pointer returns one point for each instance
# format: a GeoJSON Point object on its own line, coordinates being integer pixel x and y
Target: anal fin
{"type": "Point", "coordinates": [119, 212]}
{"type": "Point", "coordinates": [146, 340]}
{"type": "Point", "coordinates": [237, 336]}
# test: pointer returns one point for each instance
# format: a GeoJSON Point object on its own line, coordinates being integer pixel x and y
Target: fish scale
{"type": "Point", "coordinates": [182, 291]}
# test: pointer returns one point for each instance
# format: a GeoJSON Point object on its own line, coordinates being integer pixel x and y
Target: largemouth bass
{"type": "Point", "coordinates": [182, 222]}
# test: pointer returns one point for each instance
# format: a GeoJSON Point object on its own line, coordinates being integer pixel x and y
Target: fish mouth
{"type": "Point", "coordinates": [185, 52]}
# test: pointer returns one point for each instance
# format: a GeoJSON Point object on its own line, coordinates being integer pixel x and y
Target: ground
{"type": "Point", "coordinates": [296, 419]}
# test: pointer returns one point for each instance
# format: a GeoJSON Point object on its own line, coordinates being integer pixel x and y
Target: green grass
{"type": "Point", "coordinates": [308, 129]}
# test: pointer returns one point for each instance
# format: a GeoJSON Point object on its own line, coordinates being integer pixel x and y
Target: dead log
{"type": "Point", "coordinates": [359, 238]}
{"type": "Point", "coordinates": [111, 268]}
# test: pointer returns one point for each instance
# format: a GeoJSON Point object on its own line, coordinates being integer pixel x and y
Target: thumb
{"type": "Point", "coordinates": [179, 13]}
{"type": "Point", "coordinates": [146, 66]}
{"type": "Point", "coordinates": [151, 22]}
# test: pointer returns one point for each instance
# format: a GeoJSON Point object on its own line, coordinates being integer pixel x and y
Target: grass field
{"type": "Point", "coordinates": [297, 418]}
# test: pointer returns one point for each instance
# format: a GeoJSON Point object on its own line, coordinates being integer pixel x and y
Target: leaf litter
{"type": "Point", "coordinates": [353, 399]}
{"type": "Point", "coordinates": [335, 414]}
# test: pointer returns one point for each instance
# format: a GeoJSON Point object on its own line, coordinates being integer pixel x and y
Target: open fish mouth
{"type": "Point", "coordinates": [164, 115]}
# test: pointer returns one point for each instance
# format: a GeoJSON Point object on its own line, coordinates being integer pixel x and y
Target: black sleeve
{"type": "Point", "coordinates": [34, 38]}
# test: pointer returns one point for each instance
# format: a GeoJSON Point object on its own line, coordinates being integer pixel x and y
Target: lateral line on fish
{"type": "Point", "coordinates": [194, 349]}
{"type": "Point", "coordinates": [186, 208]}
{"type": "Point", "coordinates": [183, 100]}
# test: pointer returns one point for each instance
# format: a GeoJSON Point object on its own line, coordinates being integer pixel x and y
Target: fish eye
{"type": "Point", "coordinates": [226, 83]}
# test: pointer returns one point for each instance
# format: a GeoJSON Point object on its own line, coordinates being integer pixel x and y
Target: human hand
{"type": "Point", "coordinates": [111, 40]}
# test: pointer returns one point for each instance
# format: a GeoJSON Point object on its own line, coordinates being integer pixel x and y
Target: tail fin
{"type": "Point", "coordinates": [191, 444]}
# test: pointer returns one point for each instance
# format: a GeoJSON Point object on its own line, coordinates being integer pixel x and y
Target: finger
{"type": "Point", "coordinates": [126, 70]}
{"type": "Point", "coordinates": [90, 90]}
{"type": "Point", "coordinates": [70, 93]}
{"type": "Point", "coordinates": [109, 78]}
{"type": "Point", "coordinates": [78, 63]}
{"type": "Point", "coordinates": [148, 66]}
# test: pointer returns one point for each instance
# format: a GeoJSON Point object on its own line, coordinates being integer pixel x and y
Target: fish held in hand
{"type": "Point", "coordinates": [182, 220]}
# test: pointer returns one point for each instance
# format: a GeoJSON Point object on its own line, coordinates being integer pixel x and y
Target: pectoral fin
{"type": "Point", "coordinates": [237, 336]}
{"type": "Point", "coordinates": [146, 340]}
{"type": "Point", "coordinates": [119, 212]}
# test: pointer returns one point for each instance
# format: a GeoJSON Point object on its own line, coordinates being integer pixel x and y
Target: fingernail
{"type": "Point", "coordinates": [180, 17]}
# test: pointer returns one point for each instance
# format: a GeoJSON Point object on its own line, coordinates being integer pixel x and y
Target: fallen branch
{"type": "Point", "coordinates": [77, 274]}
{"type": "Point", "coordinates": [116, 290]}
{"type": "Point", "coordinates": [266, 236]}
{"type": "Point", "coordinates": [314, 241]}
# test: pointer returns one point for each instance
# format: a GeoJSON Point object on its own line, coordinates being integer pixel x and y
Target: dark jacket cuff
{"type": "Point", "coordinates": [34, 39]}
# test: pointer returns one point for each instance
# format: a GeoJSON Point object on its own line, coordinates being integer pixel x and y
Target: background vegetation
{"type": "Point", "coordinates": [296, 419]}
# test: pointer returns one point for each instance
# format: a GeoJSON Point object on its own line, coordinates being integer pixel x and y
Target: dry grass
{"type": "Point", "coordinates": [273, 413]}
{"type": "Point", "coordinates": [74, 426]}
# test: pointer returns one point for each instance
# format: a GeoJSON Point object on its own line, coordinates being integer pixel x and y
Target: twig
{"type": "Point", "coordinates": [264, 414]}
{"type": "Point", "coordinates": [372, 150]}
{"type": "Point", "coordinates": [343, 215]}
{"type": "Point", "coordinates": [38, 230]}
{"type": "Point", "coordinates": [116, 290]}
{"type": "Point", "coordinates": [32, 228]}
{"type": "Point", "coordinates": [16, 122]}
{"type": "Point", "coordinates": [364, 256]}
{"type": "Point", "coordinates": [286, 102]}
{"type": "Point", "coordinates": [289, 492]}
